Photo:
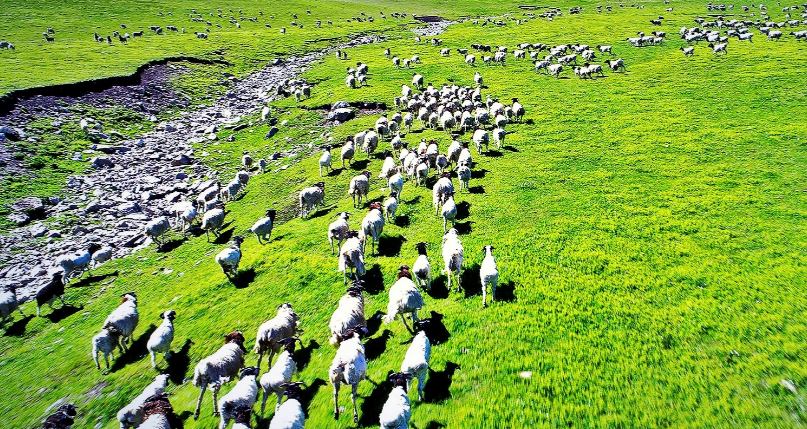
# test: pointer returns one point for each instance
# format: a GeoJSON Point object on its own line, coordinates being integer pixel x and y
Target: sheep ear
{"type": "Point", "coordinates": [162, 315]}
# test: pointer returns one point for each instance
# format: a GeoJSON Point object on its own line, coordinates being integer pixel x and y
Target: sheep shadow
{"type": "Point", "coordinates": [476, 189]}
{"type": "Point", "coordinates": [374, 323]}
{"type": "Point", "coordinates": [414, 200]}
{"type": "Point", "coordinates": [436, 330]}
{"type": "Point", "coordinates": [360, 165]}
{"type": "Point", "coordinates": [478, 174]}
{"type": "Point", "coordinates": [309, 392]}
{"type": "Point", "coordinates": [506, 292]}
{"type": "Point", "coordinates": [438, 385]}
{"type": "Point", "coordinates": [510, 148]}
{"type": "Point", "coordinates": [430, 181]}
{"type": "Point", "coordinates": [529, 122]}
{"type": "Point", "coordinates": [224, 237]}
{"type": "Point", "coordinates": [390, 246]}
{"type": "Point", "coordinates": [375, 347]}
{"type": "Point", "coordinates": [463, 210]}
{"type": "Point", "coordinates": [433, 425]}
{"type": "Point", "coordinates": [243, 279]}
{"type": "Point", "coordinates": [402, 221]}
{"type": "Point", "coordinates": [320, 213]}
{"type": "Point", "coordinates": [137, 349]}
{"type": "Point", "coordinates": [90, 280]}
{"type": "Point", "coordinates": [171, 245]}
{"type": "Point", "coordinates": [180, 422]}
{"type": "Point", "coordinates": [463, 228]}
{"type": "Point", "coordinates": [494, 154]}
{"type": "Point", "coordinates": [178, 363]}
{"type": "Point", "coordinates": [471, 283]}
{"type": "Point", "coordinates": [63, 312]}
{"type": "Point", "coordinates": [334, 172]}
{"type": "Point", "coordinates": [373, 280]}
{"type": "Point", "coordinates": [372, 405]}
{"type": "Point", "coordinates": [303, 355]}
{"type": "Point", "coordinates": [439, 289]}
{"type": "Point", "coordinates": [17, 329]}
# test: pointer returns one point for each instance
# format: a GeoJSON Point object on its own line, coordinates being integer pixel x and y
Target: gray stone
{"type": "Point", "coordinates": [341, 115]}
{"type": "Point", "coordinates": [28, 205]}
{"type": "Point", "coordinates": [10, 133]}
{"type": "Point", "coordinates": [101, 162]}
{"type": "Point", "coordinates": [170, 128]}
{"type": "Point", "coordinates": [19, 218]}
{"type": "Point", "coordinates": [127, 208]}
{"type": "Point", "coordinates": [38, 230]}
{"type": "Point", "coordinates": [110, 149]}
{"type": "Point", "coordinates": [181, 159]}
{"type": "Point", "coordinates": [271, 133]}
{"type": "Point", "coordinates": [340, 105]}
{"type": "Point", "coordinates": [78, 229]}
{"type": "Point", "coordinates": [54, 234]}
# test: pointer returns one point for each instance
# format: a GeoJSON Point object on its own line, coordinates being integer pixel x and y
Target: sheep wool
{"type": "Point", "coordinates": [351, 256]}
{"type": "Point", "coordinates": [273, 331]}
{"type": "Point", "coordinates": [396, 411]}
{"type": "Point", "coordinates": [125, 317]}
{"type": "Point", "coordinates": [373, 223]}
{"type": "Point", "coordinates": [349, 366]}
{"type": "Point", "coordinates": [416, 360]}
{"type": "Point", "coordinates": [156, 411]}
{"type": "Point", "coordinates": [263, 227]}
{"type": "Point", "coordinates": [422, 268]}
{"type": "Point", "coordinates": [162, 337]}
{"type": "Point", "coordinates": [245, 393]}
{"type": "Point", "coordinates": [219, 368]}
{"type": "Point", "coordinates": [281, 373]}
{"type": "Point", "coordinates": [489, 275]}
{"type": "Point", "coordinates": [404, 297]}
{"type": "Point", "coordinates": [452, 256]}
{"type": "Point", "coordinates": [9, 303]}
{"type": "Point", "coordinates": [348, 314]}
{"type": "Point", "coordinates": [337, 230]}
{"type": "Point", "coordinates": [131, 416]}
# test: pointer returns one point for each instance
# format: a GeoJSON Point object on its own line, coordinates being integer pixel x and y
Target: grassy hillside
{"type": "Point", "coordinates": [650, 235]}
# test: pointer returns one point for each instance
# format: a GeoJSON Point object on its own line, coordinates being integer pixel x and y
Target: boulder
{"type": "Point", "coordinates": [101, 162]}
{"type": "Point", "coordinates": [127, 208]}
{"type": "Point", "coordinates": [18, 218]}
{"type": "Point", "coordinates": [271, 133]}
{"type": "Point", "coordinates": [181, 159]}
{"type": "Point", "coordinates": [341, 115]}
{"type": "Point", "coordinates": [10, 133]}
{"type": "Point", "coordinates": [340, 105]}
{"type": "Point", "coordinates": [28, 205]}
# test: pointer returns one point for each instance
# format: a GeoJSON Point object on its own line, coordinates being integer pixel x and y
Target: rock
{"type": "Point", "coordinates": [127, 208]}
{"type": "Point", "coordinates": [182, 159]}
{"type": "Point", "coordinates": [145, 196]}
{"type": "Point", "coordinates": [173, 197]}
{"type": "Point", "coordinates": [276, 156]}
{"type": "Point", "coordinates": [38, 230]}
{"type": "Point", "coordinates": [77, 157]}
{"type": "Point", "coordinates": [140, 143]}
{"type": "Point", "coordinates": [181, 176]}
{"type": "Point", "coordinates": [271, 133]}
{"type": "Point", "coordinates": [110, 149]}
{"type": "Point", "coordinates": [341, 115]}
{"type": "Point", "coordinates": [55, 234]}
{"type": "Point", "coordinates": [151, 179]}
{"type": "Point", "coordinates": [10, 133]}
{"type": "Point", "coordinates": [28, 205]}
{"type": "Point", "coordinates": [83, 124]}
{"type": "Point", "coordinates": [170, 128]}
{"type": "Point", "coordinates": [97, 136]}
{"type": "Point", "coordinates": [240, 127]}
{"type": "Point", "coordinates": [211, 129]}
{"type": "Point", "coordinates": [340, 105]}
{"type": "Point", "coordinates": [153, 118]}
{"type": "Point", "coordinates": [54, 200]}
{"type": "Point", "coordinates": [18, 218]}
{"type": "Point", "coordinates": [78, 229]}
{"type": "Point", "coordinates": [231, 138]}
{"type": "Point", "coordinates": [212, 137]}
{"type": "Point", "coordinates": [101, 162]}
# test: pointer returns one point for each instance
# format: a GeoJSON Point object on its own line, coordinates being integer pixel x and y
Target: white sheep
{"type": "Point", "coordinates": [422, 269]}
{"type": "Point", "coordinates": [290, 415]}
{"type": "Point", "coordinates": [489, 275]}
{"type": "Point", "coordinates": [229, 258]}
{"type": "Point", "coordinates": [262, 228]}
{"type": "Point", "coordinates": [349, 366]}
{"type": "Point", "coordinates": [131, 416]}
{"type": "Point", "coordinates": [106, 342]}
{"type": "Point", "coordinates": [404, 297]}
{"type": "Point", "coordinates": [555, 70]}
{"type": "Point", "coordinates": [396, 411]}
{"type": "Point", "coordinates": [156, 230]}
{"type": "Point", "coordinates": [311, 197]}
{"type": "Point", "coordinates": [244, 393]}
{"type": "Point", "coordinates": [418, 355]}
{"type": "Point", "coordinates": [247, 161]}
{"type": "Point", "coordinates": [518, 108]}
{"type": "Point", "coordinates": [262, 165]}
{"type": "Point", "coordinates": [219, 368]}
{"type": "Point", "coordinates": [271, 332]}
{"type": "Point", "coordinates": [337, 230]}
{"type": "Point", "coordinates": [396, 183]}
{"type": "Point", "coordinates": [408, 120]}
{"type": "Point", "coordinates": [78, 262]}
{"type": "Point", "coordinates": [478, 79]}
{"type": "Point", "coordinates": [273, 381]}
{"type": "Point", "coordinates": [452, 256]}
{"type": "Point", "coordinates": [421, 171]}
{"type": "Point", "coordinates": [373, 224]}
{"type": "Point", "coordinates": [441, 188]}
{"type": "Point", "coordinates": [9, 303]}
{"type": "Point", "coordinates": [447, 121]}
{"type": "Point", "coordinates": [449, 210]}
{"type": "Point", "coordinates": [213, 220]}
{"type": "Point", "coordinates": [480, 138]}
{"type": "Point", "coordinates": [417, 80]}
{"type": "Point", "coordinates": [243, 417]}
{"type": "Point", "coordinates": [453, 152]}
{"type": "Point", "coordinates": [156, 412]}
{"type": "Point", "coordinates": [349, 313]}
{"type": "Point", "coordinates": [230, 191]}
{"type": "Point", "coordinates": [464, 174]}
{"type": "Point", "coordinates": [125, 318]}
{"type": "Point", "coordinates": [391, 206]}
{"type": "Point", "coordinates": [388, 168]}
{"type": "Point", "coordinates": [370, 143]}
{"type": "Point", "coordinates": [162, 337]}
{"type": "Point", "coordinates": [325, 160]}
{"type": "Point", "coordinates": [103, 254]}
{"type": "Point", "coordinates": [359, 187]}
{"type": "Point", "coordinates": [348, 151]}
{"type": "Point", "coordinates": [351, 256]}
{"type": "Point", "coordinates": [470, 59]}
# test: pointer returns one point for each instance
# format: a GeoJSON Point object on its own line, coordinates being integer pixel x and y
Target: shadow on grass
{"type": "Point", "coordinates": [178, 363]}
{"type": "Point", "coordinates": [433, 425]}
{"type": "Point", "coordinates": [506, 292]}
{"type": "Point", "coordinates": [334, 172]}
{"type": "Point", "coordinates": [402, 221]}
{"type": "Point", "coordinates": [243, 279]}
{"type": "Point", "coordinates": [476, 189]}
{"type": "Point", "coordinates": [390, 246]}
{"type": "Point", "coordinates": [17, 329]}
{"type": "Point", "coordinates": [90, 280]}
{"type": "Point", "coordinates": [415, 200]}
{"type": "Point", "coordinates": [439, 289]}
{"type": "Point", "coordinates": [510, 148]}
{"type": "Point", "coordinates": [375, 347]}
{"type": "Point", "coordinates": [438, 384]}
{"type": "Point", "coordinates": [303, 355]}
{"type": "Point", "coordinates": [463, 228]}
{"type": "Point", "coordinates": [436, 331]}
{"type": "Point", "coordinates": [478, 174]}
{"type": "Point", "coordinates": [371, 407]}
{"type": "Point", "coordinates": [178, 421]}
{"type": "Point", "coordinates": [359, 165]}
{"type": "Point", "coordinates": [494, 154]}
{"type": "Point", "coordinates": [171, 245]}
{"type": "Point", "coordinates": [374, 322]}
{"type": "Point", "coordinates": [471, 284]}
{"type": "Point", "coordinates": [320, 213]}
{"type": "Point", "coordinates": [224, 237]}
{"type": "Point", "coordinates": [63, 312]}
{"type": "Point", "coordinates": [137, 349]}
{"type": "Point", "coordinates": [463, 210]}
{"type": "Point", "coordinates": [373, 280]}
{"type": "Point", "coordinates": [309, 392]}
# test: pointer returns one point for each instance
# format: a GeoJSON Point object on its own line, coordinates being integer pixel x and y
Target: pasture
{"type": "Point", "coordinates": [649, 230]}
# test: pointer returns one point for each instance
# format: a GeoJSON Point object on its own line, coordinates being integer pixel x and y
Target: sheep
{"type": "Point", "coordinates": [453, 152]}
{"type": "Point", "coordinates": [421, 171]}
{"type": "Point", "coordinates": [359, 187]}
{"type": "Point", "coordinates": [131, 416]}
{"type": "Point", "coordinates": [281, 373]}
{"type": "Point", "coordinates": [396, 62]}
{"type": "Point", "coordinates": [408, 120]}
{"type": "Point", "coordinates": [719, 48]}
{"type": "Point", "coordinates": [774, 35]}
{"type": "Point", "coordinates": [156, 230]}
{"type": "Point", "coordinates": [290, 415]}
{"type": "Point", "coordinates": [688, 52]}
{"type": "Point", "coordinates": [262, 228]}
{"type": "Point", "coordinates": [404, 297]}
{"type": "Point", "coordinates": [605, 48]}
{"type": "Point", "coordinates": [229, 258]}
{"type": "Point", "coordinates": [470, 59]}
{"type": "Point", "coordinates": [247, 161]}
{"type": "Point", "coordinates": [77, 262]}
{"type": "Point", "coordinates": [162, 337]}
{"type": "Point", "coordinates": [213, 221]}
{"type": "Point", "coordinates": [479, 138]}
{"type": "Point", "coordinates": [464, 174]}
{"type": "Point", "coordinates": [449, 211]}
{"type": "Point", "coordinates": [244, 393]}
{"type": "Point", "coordinates": [338, 229]}
{"type": "Point", "coordinates": [373, 224]}
{"type": "Point", "coordinates": [61, 419]}
{"type": "Point", "coordinates": [452, 256]}
{"type": "Point", "coordinates": [219, 368]}
{"type": "Point", "coordinates": [125, 317]}
{"type": "Point", "coordinates": [518, 110]}
{"type": "Point", "coordinates": [105, 342]}
{"type": "Point", "coordinates": [311, 197]}
{"type": "Point", "coordinates": [350, 81]}
{"type": "Point", "coordinates": [9, 303]}
{"type": "Point", "coordinates": [261, 165]}
{"type": "Point", "coordinates": [348, 150]}
{"type": "Point", "coordinates": [351, 255]}
{"type": "Point", "coordinates": [265, 112]}
{"type": "Point", "coordinates": [349, 313]}
{"type": "Point", "coordinates": [349, 366]}
{"type": "Point", "coordinates": [465, 156]}
{"type": "Point", "coordinates": [391, 206]}
{"type": "Point", "coordinates": [422, 268]}
{"type": "Point", "coordinates": [370, 143]}
{"type": "Point", "coordinates": [478, 79]}
{"type": "Point", "coordinates": [489, 275]}
{"type": "Point", "coordinates": [555, 70]}
{"type": "Point", "coordinates": [283, 325]}
{"type": "Point", "coordinates": [231, 190]}
{"type": "Point", "coordinates": [616, 64]}
{"type": "Point", "coordinates": [417, 80]}
{"type": "Point", "coordinates": [396, 411]}
{"type": "Point", "coordinates": [441, 188]}
{"type": "Point", "coordinates": [388, 168]}
{"type": "Point", "coordinates": [418, 355]}
{"type": "Point", "coordinates": [396, 183]}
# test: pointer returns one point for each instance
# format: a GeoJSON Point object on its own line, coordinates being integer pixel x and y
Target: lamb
{"type": "Point", "coordinates": [351, 255]}
{"type": "Point", "coordinates": [480, 137]}
{"type": "Point", "coordinates": [311, 197]}
{"type": "Point", "coordinates": [498, 137]}
{"type": "Point", "coordinates": [373, 224]}
{"type": "Point", "coordinates": [231, 190]}
{"type": "Point", "coordinates": [348, 150]}
{"type": "Point", "coordinates": [542, 65]}
{"type": "Point", "coordinates": [518, 110]}
{"type": "Point", "coordinates": [478, 79]}
{"type": "Point", "coordinates": [338, 229]}
{"type": "Point", "coordinates": [219, 368]}
{"type": "Point", "coordinates": [77, 262]}
{"type": "Point", "coordinates": [244, 393]}
{"type": "Point", "coordinates": [280, 374]}
{"type": "Point", "coordinates": [262, 228]}
{"type": "Point", "coordinates": [441, 188]}
{"type": "Point", "coordinates": [230, 257]}
{"type": "Point", "coordinates": [48, 293]}
{"type": "Point", "coordinates": [325, 160]}
{"type": "Point", "coordinates": [156, 230]}
{"type": "Point", "coordinates": [61, 419]}
{"type": "Point", "coordinates": [688, 52]}
{"type": "Point", "coordinates": [408, 120]}
{"type": "Point", "coordinates": [422, 268]}
{"type": "Point", "coordinates": [213, 220]}
{"type": "Point", "coordinates": [359, 187]}
{"type": "Point", "coordinates": [397, 412]}
{"type": "Point", "coordinates": [489, 275]}
{"type": "Point", "coordinates": [349, 366]}
{"type": "Point", "coordinates": [404, 297]}
{"type": "Point", "coordinates": [290, 415]}
{"type": "Point", "coordinates": [452, 256]}
{"type": "Point", "coordinates": [105, 342]}
{"type": "Point", "coordinates": [125, 317]}
{"type": "Point", "coordinates": [262, 165]}
{"type": "Point", "coordinates": [391, 206]}
{"type": "Point", "coordinates": [445, 52]}
{"type": "Point", "coordinates": [162, 337]}
{"type": "Point", "coordinates": [270, 333]}
{"type": "Point", "coordinates": [416, 360]}
{"type": "Point", "coordinates": [131, 416]}
{"type": "Point", "coordinates": [449, 211]}
{"type": "Point", "coordinates": [349, 313]}
{"type": "Point", "coordinates": [9, 303]}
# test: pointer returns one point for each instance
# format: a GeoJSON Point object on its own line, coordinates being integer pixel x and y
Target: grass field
{"type": "Point", "coordinates": [650, 235]}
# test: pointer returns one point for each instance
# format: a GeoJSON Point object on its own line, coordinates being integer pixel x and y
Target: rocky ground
{"type": "Point", "coordinates": [139, 179]}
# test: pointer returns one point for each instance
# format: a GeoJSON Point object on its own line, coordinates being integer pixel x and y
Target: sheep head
{"type": "Point", "coordinates": [250, 370]}
{"type": "Point", "coordinates": [320, 185]}
{"type": "Point", "coordinates": [68, 409]}
{"type": "Point", "coordinates": [170, 315]}
{"type": "Point", "coordinates": [288, 343]}
{"type": "Point", "coordinates": [421, 248]}
{"type": "Point", "coordinates": [129, 296]}
{"type": "Point", "coordinates": [157, 404]}
{"type": "Point", "coordinates": [366, 173]}
{"type": "Point", "coordinates": [236, 337]}
{"type": "Point", "coordinates": [293, 391]}
{"type": "Point", "coordinates": [421, 325]}
{"type": "Point", "coordinates": [271, 213]}
{"type": "Point", "coordinates": [243, 415]}
{"type": "Point", "coordinates": [403, 271]}
{"type": "Point", "coordinates": [400, 379]}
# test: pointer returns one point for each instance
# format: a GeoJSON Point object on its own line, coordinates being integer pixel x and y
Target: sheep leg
{"type": "Point", "coordinates": [199, 401]}
{"type": "Point", "coordinates": [279, 398]}
{"type": "Point", "coordinates": [106, 358]}
{"type": "Point", "coordinates": [403, 320]}
{"type": "Point", "coordinates": [484, 295]}
{"type": "Point", "coordinates": [271, 356]}
{"type": "Point", "coordinates": [459, 286]}
{"type": "Point", "coordinates": [353, 396]}
{"type": "Point", "coordinates": [263, 402]}
{"type": "Point", "coordinates": [38, 309]}
{"type": "Point", "coordinates": [336, 400]}
{"type": "Point", "coordinates": [493, 289]}
{"type": "Point", "coordinates": [259, 239]}
{"type": "Point", "coordinates": [260, 356]}
{"type": "Point", "coordinates": [421, 382]}
{"type": "Point", "coordinates": [95, 359]}
{"type": "Point", "coordinates": [330, 239]}
{"type": "Point", "coordinates": [153, 359]}
{"type": "Point", "coordinates": [215, 390]}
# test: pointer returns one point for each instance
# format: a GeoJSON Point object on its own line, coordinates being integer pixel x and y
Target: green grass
{"type": "Point", "coordinates": [650, 226]}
